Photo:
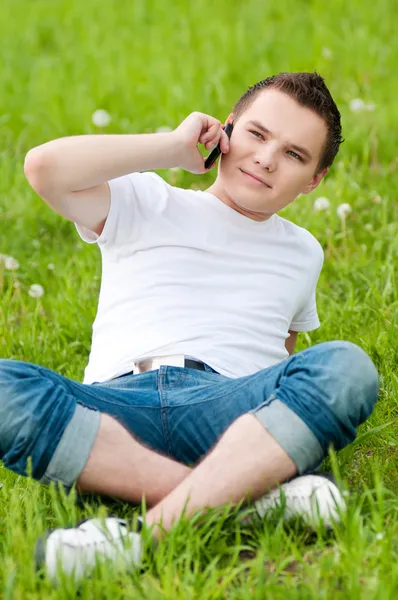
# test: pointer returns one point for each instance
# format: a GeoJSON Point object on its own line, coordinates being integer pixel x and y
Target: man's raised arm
{"type": "Point", "coordinates": [71, 173]}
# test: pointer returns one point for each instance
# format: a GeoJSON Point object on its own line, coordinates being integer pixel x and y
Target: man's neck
{"type": "Point", "coordinates": [220, 193]}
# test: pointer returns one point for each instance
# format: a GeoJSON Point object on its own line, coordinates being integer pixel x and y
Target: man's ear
{"type": "Point", "coordinates": [230, 118]}
{"type": "Point", "coordinates": [315, 181]}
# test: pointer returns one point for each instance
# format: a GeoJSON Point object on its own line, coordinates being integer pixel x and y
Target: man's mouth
{"type": "Point", "coordinates": [254, 178]}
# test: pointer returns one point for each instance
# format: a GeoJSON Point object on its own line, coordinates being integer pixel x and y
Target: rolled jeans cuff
{"type": "Point", "coordinates": [291, 433]}
{"type": "Point", "coordinates": [74, 448]}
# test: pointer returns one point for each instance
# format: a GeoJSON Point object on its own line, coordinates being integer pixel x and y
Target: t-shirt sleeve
{"type": "Point", "coordinates": [131, 199]}
{"type": "Point", "coordinates": [306, 319]}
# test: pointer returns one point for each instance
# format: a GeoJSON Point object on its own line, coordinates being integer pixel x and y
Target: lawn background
{"type": "Point", "coordinates": [150, 64]}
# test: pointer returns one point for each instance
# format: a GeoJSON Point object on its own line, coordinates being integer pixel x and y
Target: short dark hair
{"type": "Point", "coordinates": [310, 90]}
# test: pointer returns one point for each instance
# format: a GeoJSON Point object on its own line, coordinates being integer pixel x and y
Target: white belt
{"type": "Point", "coordinates": [151, 364]}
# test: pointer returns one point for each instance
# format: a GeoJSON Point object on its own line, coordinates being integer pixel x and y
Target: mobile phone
{"type": "Point", "coordinates": [214, 154]}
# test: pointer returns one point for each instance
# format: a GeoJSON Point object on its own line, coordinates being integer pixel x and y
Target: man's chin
{"type": "Point", "coordinates": [256, 212]}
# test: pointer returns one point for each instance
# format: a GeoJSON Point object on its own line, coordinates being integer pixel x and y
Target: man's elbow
{"type": "Point", "coordinates": [37, 171]}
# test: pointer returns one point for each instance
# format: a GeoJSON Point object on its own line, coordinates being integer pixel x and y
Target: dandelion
{"type": "Point", "coordinates": [36, 291]}
{"type": "Point", "coordinates": [343, 210]}
{"type": "Point", "coordinates": [321, 203]}
{"type": "Point", "coordinates": [164, 129]}
{"type": "Point", "coordinates": [101, 118]}
{"type": "Point", "coordinates": [11, 263]}
{"type": "Point", "coordinates": [327, 53]}
{"type": "Point", "coordinates": [379, 536]}
{"type": "Point", "coordinates": [357, 104]}
{"type": "Point", "coordinates": [377, 199]}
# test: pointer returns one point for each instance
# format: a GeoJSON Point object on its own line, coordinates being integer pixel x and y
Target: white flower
{"type": "Point", "coordinates": [379, 536]}
{"type": "Point", "coordinates": [101, 118]}
{"type": "Point", "coordinates": [11, 263]}
{"type": "Point", "coordinates": [51, 267]}
{"type": "Point", "coordinates": [164, 129]}
{"type": "Point", "coordinates": [343, 210]}
{"type": "Point", "coordinates": [377, 199]}
{"type": "Point", "coordinates": [321, 203]}
{"type": "Point", "coordinates": [357, 104]}
{"type": "Point", "coordinates": [36, 291]}
{"type": "Point", "coordinates": [327, 53]}
{"type": "Point", "coordinates": [368, 226]}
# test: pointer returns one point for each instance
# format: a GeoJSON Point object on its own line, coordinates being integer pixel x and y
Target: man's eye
{"type": "Point", "coordinates": [295, 155]}
{"type": "Point", "coordinates": [257, 134]}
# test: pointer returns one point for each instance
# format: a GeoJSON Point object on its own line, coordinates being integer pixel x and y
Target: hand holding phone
{"type": "Point", "coordinates": [214, 154]}
{"type": "Point", "coordinates": [199, 128]}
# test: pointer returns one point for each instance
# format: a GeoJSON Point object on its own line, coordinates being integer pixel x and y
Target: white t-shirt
{"type": "Point", "coordinates": [183, 273]}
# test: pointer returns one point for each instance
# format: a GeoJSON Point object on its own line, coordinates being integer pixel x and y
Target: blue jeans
{"type": "Point", "coordinates": [308, 402]}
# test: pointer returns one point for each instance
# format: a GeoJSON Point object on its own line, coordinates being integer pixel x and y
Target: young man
{"type": "Point", "coordinates": [203, 294]}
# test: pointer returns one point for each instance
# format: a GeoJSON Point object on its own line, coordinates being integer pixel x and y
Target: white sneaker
{"type": "Point", "coordinates": [315, 498]}
{"type": "Point", "coordinates": [75, 551]}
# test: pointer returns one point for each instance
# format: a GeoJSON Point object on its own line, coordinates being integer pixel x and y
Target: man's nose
{"type": "Point", "coordinates": [266, 157]}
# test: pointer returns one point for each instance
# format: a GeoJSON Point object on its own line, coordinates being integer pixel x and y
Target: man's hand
{"type": "Point", "coordinates": [199, 128]}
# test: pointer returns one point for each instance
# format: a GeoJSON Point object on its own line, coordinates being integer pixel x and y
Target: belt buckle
{"type": "Point", "coordinates": [151, 364]}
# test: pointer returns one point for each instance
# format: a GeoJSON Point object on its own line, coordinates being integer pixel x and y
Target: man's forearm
{"type": "Point", "coordinates": [80, 162]}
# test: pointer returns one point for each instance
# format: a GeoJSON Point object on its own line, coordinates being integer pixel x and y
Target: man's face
{"type": "Point", "coordinates": [277, 141]}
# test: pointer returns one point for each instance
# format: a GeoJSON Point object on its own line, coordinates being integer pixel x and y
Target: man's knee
{"type": "Point", "coordinates": [9, 417]}
{"type": "Point", "coordinates": [10, 379]}
{"type": "Point", "coordinates": [26, 412]}
{"type": "Point", "coordinates": [332, 388]}
{"type": "Point", "coordinates": [356, 381]}
{"type": "Point", "coordinates": [12, 404]}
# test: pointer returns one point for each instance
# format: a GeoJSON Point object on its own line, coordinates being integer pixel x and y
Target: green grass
{"type": "Point", "coordinates": [150, 64]}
